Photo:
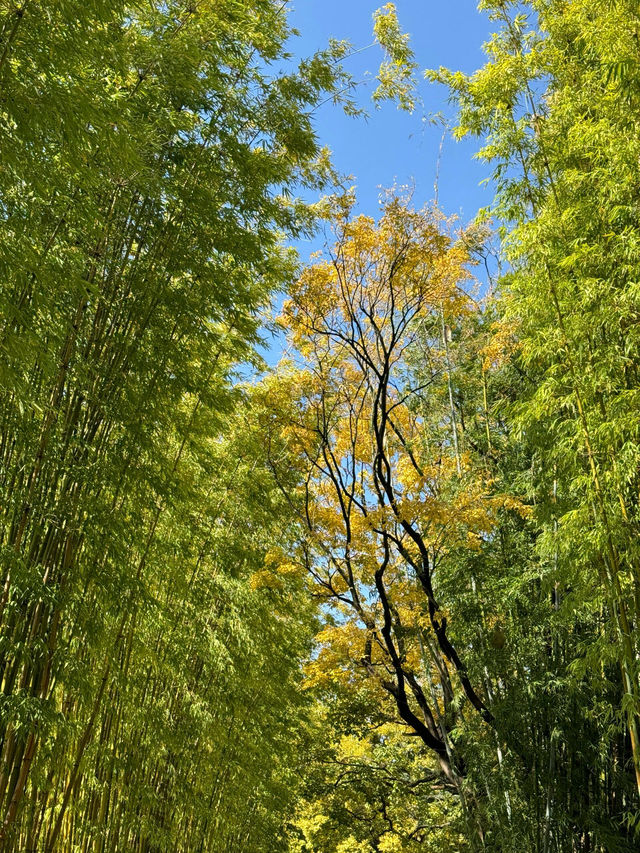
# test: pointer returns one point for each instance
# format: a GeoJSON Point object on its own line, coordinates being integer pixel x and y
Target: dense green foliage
{"type": "Point", "coordinates": [387, 598]}
{"type": "Point", "coordinates": [150, 159]}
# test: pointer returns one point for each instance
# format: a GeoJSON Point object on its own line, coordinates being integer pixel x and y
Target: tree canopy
{"type": "Point", "coordinates": [383, 597]}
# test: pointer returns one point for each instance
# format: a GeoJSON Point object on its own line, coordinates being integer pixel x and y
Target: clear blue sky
{"type": "Point", "coordinates": [392, 146]}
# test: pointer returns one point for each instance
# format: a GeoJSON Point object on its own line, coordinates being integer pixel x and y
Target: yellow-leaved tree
{"type": "Point", "coordinates": [366, 407]}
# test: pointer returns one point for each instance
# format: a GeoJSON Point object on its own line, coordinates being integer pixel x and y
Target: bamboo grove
{"type": "Point", "coordinates": [385, 596]}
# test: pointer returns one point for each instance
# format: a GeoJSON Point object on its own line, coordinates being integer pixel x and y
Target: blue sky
{"type": "Point", "coordinates": [391, 146]}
